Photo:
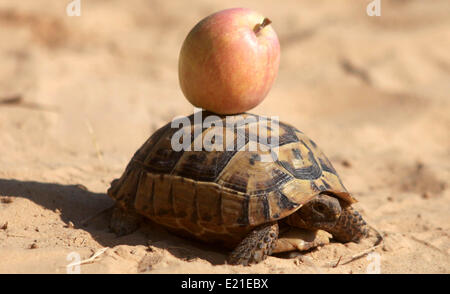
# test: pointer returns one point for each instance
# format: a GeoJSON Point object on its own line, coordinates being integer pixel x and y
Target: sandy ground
{"type": "Point", "coordinates": [85, 92]}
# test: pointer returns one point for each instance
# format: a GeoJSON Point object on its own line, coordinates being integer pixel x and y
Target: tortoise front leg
{"type": "Point", "coordinates": [258, 244]}
{"type": "Point", "coordinates": [350, 226]}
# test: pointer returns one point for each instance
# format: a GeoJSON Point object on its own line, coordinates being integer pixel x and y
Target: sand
{"type": "Point", "coordinates": [80, 94]}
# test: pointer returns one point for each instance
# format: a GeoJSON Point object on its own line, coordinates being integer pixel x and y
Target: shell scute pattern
{"type": "Point", "coordinates": [224, 194]}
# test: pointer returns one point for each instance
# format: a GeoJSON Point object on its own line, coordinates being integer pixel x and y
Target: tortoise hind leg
{"type": "Point", "coordinates": [124, 222]}
{"type": "Point", "coordinates": [258, 244]}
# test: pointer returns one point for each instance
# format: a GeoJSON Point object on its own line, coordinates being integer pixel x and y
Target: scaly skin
{"type": "Point", "coordinates": [322, 213]}
{"type": "Point", "coordinates": [350, 226]}
{"type": "Point", "coordinates": [328, 213]}
{"type": "Point", "coordinates": [256, 246]}
{"type": "Point", "coordinates": [124, 222]}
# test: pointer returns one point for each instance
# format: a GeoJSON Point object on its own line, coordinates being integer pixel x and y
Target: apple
{"type": "Point", "coordinates": [229, 61]}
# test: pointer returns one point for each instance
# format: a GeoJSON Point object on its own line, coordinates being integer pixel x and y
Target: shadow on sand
{"type": "Point", "coordinates": [90, 211]}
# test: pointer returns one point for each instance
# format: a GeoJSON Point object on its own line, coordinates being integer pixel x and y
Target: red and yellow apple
{"type": "Point", "coordinates": [229, 61]}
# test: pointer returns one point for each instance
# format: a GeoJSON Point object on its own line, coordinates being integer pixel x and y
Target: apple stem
{"type": "Point", "coordinates": [260, 26]}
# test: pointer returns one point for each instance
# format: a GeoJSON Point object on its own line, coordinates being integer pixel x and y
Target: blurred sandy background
{"type": "Point", "coordinates": [78, 95]}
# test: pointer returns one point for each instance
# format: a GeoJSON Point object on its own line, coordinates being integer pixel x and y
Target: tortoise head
{"type": "Point", "coordinates": [331, 214]}
{"type": "Point", "coordinates": [322, 212]}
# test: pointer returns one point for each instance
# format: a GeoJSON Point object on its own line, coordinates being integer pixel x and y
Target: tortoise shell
{"type": "Point", "coordinates": [222, 195]}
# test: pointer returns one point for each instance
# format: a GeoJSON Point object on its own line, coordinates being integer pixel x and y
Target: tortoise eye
{"type": "Point", "coordinates": [319, 207]}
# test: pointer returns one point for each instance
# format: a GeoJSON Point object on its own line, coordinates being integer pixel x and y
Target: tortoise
{"type": "Point", "coordinates": [231, 196]}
